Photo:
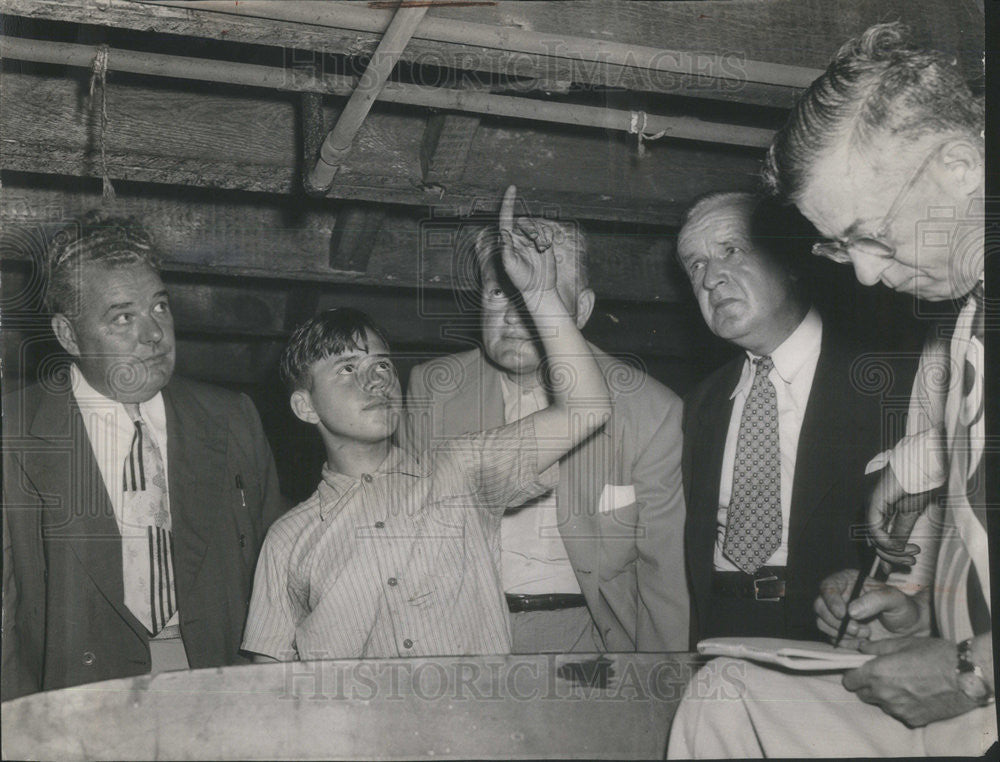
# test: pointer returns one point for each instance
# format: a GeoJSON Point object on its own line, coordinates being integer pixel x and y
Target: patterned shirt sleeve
{"type": "Point", "coordinates": [275, 610]}
{"type": "Point", "coordinates": [501, 464]}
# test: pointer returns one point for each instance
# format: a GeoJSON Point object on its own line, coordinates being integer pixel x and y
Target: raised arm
{"type": "Point", "coordinates": [581, 403]}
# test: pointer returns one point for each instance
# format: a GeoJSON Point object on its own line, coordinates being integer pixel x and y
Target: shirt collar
{"type": "Point", "coordinates": [801, 346]}
{"type": "Point", "coordinates": [335, 486]}
{"type": "Point", "coordinates": [153, 411]}
{"type": "Point", "coordinates": [513, 393]}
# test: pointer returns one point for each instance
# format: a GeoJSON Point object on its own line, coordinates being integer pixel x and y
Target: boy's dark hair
{"type": "Point", "coordinates": [331, 332]}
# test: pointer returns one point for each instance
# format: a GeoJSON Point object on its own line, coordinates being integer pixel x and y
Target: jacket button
{"type": "Point", "coordinates": [367, 478]}
{"type": "Point", "coordinates": [89, 658]}
{"type": "Point", "coordinates": [393, 581]}
{"type": "Point", "coordinates": [407, 643]}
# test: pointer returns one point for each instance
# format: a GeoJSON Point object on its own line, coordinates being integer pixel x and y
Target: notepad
{"type": "Point", "coordinates": [800, 655]}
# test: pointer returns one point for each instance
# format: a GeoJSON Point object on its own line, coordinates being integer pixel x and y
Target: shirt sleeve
{"type": "Point", "coordinates": [501, 464]}
{"type": "Point", "coordinates": [275, 609]}
{"type": "Point", "coordinates": [919, 460]}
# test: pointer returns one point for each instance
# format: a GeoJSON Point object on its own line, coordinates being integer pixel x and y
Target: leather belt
{"type": "Point", "coordinates": [517, 603]}
{"type": "Point", "coordinates": [765, 585]}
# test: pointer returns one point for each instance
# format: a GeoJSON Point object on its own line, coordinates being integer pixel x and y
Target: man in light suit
{"type": "Point", "coordinates": [92, 591]}
{"type": "Point", "coordinates": [737, 252]}
{"type": "Point", "coordinates": [597, 564]}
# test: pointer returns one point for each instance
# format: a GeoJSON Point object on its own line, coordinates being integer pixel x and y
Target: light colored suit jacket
{"type": "Point", "coordinates": [620, 498]}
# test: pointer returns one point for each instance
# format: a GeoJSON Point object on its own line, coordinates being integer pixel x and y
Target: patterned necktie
{"type": "Point", "coordinates": [147, 544]}
{"type": "Point", "coordinates": [753, 526]}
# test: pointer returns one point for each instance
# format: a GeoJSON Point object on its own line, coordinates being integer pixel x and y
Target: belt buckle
{"type": "Point", "coordinates": [756, 588]}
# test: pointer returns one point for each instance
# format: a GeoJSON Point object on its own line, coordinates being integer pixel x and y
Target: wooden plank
{"type": "Point", "coordinates": [161, 135]}
{"type": "Point", "coordinates": [354, 233]}
{"type": "Point", "coordinates": [445, 149]}
{"type": "Point", "coordinates": [248, 235]}
{"type": "Point", "coordinates": [795, 32]}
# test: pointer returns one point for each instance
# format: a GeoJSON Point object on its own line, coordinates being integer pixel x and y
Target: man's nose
{"type": "Point", "coordinates": [715, 274]}
{"type": "Point", "coordinates": [868, 268]}
{"type": "Point", "coordinates": [151, 332]}
{"type": "Point", "coordinates": [512, 314]}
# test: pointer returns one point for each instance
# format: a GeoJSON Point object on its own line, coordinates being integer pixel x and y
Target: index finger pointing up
{"type": "Point", "coordinates": [507, 210]}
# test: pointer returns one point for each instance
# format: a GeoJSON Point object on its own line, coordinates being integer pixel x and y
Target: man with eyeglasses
{"type": "Point", "coordinates": [884, 154]}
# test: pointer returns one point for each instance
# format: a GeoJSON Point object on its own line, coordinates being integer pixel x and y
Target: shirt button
{"type": "Point", "coordinates": [407, 643]}
{"type": "Point", "coordinates": [367, 478]}
{"type": "Point", "coordinates": [89, 658]}
{"type": "Point", "coordinates": [380, 525]}
{"type": "Point", "coordinates": [393, 581]}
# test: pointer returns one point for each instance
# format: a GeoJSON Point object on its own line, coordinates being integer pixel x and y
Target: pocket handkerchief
{"type": "Point", "coordinates": [616, 496]}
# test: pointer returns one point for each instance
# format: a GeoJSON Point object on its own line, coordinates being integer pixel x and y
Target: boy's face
{"type": "Point", "coordinates": [355, 396]}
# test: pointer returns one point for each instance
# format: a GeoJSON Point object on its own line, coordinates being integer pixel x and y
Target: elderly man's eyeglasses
{"type": "Point", "coordinates": [873, 245]}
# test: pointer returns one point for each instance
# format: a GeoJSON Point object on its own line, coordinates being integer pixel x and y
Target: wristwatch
{"type": "Point", "coordinates": [971, 680]}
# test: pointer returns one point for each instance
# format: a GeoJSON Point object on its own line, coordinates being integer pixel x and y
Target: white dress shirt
{"type": "Point", "coordinates": [533, 558]}
{"type": "Point", "coordinates": [110, 431]}
{"type": "Point", "coordinates": [792, 375]}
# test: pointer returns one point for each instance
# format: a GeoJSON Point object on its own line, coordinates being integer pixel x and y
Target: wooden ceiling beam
{"type": "Point", "coordinates": [479, 103]}
{"type": "Point", "coordinates": [801, 33]}
{"type": "Point", "coordinates": [445, 149]}
{"type": "Point", "coordinates": [290, 241]}
{"type": "Point", "coordinates": [206, 139]}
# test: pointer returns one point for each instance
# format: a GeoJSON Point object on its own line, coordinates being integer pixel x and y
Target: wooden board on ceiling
{"type": "Point", "coordinates": [207, 138]}
{"type": "Point", "coordinates": [791, 32]}
{"type": "Point", "coordinates": [258, 236]}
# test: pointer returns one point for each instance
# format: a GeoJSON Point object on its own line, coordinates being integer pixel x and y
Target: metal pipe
{"type": "Point", "coordinates": [358, 17]}
{"type": "Point", "coordinates": [470, 101]}
{"type": "Point", "coordinates": [337, 145]}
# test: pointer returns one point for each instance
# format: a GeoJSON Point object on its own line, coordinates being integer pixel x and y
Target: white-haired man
{"type": "Point", "coordinates": [596, 564]}
{"type": "Point", "coordinates": [884, 154]}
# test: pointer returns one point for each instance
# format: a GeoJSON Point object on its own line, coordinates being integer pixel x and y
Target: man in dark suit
{"type": "Point", "coordinates": [775, 441]}
{"type": "Point", "coordinates": [135, 502]}
{"type": "Point", "coordinates": [597, 563]}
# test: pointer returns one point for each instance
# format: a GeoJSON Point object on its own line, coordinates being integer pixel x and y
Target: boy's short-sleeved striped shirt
{"type": "Point", "coordinates": [399, 562]}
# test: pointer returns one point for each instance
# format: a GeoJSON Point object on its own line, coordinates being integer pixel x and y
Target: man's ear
{"type": "Point", "coordinates": [65, 333]}
{"type": "Point", "coordinates": [584, 307]}
{"type": "Point", "coordinates": [302, 406]}
{"type": "Point", "coordinates": [963, 170]}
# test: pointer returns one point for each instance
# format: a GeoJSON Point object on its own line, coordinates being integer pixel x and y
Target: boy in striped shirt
{"type": "Point", "coordinates": [395, 555]}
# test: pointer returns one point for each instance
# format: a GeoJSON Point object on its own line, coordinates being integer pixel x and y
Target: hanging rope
{"type": "Point", "coordinates": [637, 127]}
{"type": "Point", "coordinates": [99, 77]}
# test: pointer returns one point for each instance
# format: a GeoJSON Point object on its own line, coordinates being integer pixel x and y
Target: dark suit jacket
{"type": "Point", "coordinates": [620, 507]}
{"type": "Point", "coordinates": [65, 621]}
{"type": "Point", "coordinates": [841, 432]}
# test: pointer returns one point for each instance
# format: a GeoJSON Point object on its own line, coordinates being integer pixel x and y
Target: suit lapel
{"type": "Point", "coordinates": [78, 514]}
{"type": "Point", "coordinates": [711, 423]}
{"type": "Point", "coordinates": [824, 442]}
{"type": "Point", "coordinates": [196, 461]}
{"type": "Point", "coordinates": [478, 402]}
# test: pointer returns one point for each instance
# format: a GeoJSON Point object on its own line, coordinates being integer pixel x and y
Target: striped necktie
{"type": "Point", "coordinates": [147, 552]}
{"type": "Point", "coordinates": [753, 521]}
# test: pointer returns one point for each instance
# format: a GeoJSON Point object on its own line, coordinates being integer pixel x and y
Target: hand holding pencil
{"type": "Point", "coordinates": [876, 610]}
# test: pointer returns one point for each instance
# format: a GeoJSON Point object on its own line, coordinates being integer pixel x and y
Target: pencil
{"type": "Point", "coordinates": [855, 592]}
